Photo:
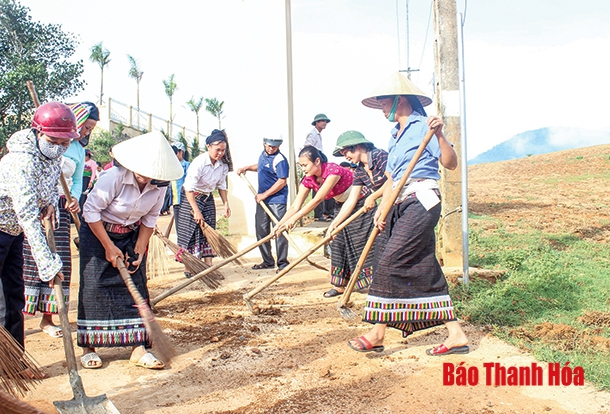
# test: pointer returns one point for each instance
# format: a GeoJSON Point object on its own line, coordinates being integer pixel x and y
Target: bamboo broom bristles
{"type": "Point", "coordinates": [158, 261]}
{"type": "Point", "coordinates": [191, 263]}
{"type": "Point", "coordinates": [219, 244]}
{"type": "Point", "coordinates": [18, 370]}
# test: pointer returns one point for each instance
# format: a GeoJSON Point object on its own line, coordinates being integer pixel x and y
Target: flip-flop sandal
{"type": "Point", "coordinates": [149, 361]}
{"type": "Point", "coordinates": [331, 293]}
{"type": "Point", "coordinates": [365, 345]}
{"type": "Point", "coordinates": [261, 266]}
{"type": "Point", "coordinates": [53, 331]}
{"type": "Point", "coordinates": [91, 361]}
{"type": "Point", "coordinates": [443, 350]}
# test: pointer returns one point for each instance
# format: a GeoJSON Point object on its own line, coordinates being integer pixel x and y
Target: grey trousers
{"type": "Point", "coordinates": [263, 226]}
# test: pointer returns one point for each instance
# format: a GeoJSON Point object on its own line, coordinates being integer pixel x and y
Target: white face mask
{"type": "Point", "coordinates": [51, 151]}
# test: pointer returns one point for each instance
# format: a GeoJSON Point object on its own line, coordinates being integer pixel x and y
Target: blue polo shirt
{"type": "Point", "coordinates": [401, 150]}
{"type": "Point", "coordinates": [270, 169]}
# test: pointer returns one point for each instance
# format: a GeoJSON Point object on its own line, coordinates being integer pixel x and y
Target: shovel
{"type": "Point", "coordinates": [80, 404]}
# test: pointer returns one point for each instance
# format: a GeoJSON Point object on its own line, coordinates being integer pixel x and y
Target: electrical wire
{"type": "Point", "coordinates": [426, 38]}
{"type": "Point", "coordinates": [398, 34]}
{"type": "Point", "coordinates": [464, 12]}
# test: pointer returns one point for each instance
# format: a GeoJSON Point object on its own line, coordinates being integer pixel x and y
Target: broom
{"type": "Point", "coordinates": [161, 342]}
{"type": "Point", "coordinates": [158, 261]}
{"type": "Point", "coordinates": [211, 269]}
{"type": "Point", "coordinates": [191, 263]}
{"type": "Point", "coordinates": [12, 405]}
{"type": "Point", "coordinates": [292, 264]}
{"type": "Point", "coordinates": [17, 368]}
{"type": "Point", "coordinates": [342, 307]}
{"type": "Point", "coordinates": [219, 244]}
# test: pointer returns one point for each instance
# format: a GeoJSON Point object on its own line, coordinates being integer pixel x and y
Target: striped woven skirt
{"type": "Point", "coordinates": [190, 235]}
{"type": "Point", "coordinates": [409, 291]}
{"type": "Point", "coordinates": [107, 315]}
{"type": "Point", "coordinates": [347, 247]}
{"type": "Point", "coordinates": [39, 296]}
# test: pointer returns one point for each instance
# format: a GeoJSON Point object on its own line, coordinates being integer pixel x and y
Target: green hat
{"type": "Point", "coordinates": [348, 139]}
{"type": "Point", "coordinates": [320, 117]}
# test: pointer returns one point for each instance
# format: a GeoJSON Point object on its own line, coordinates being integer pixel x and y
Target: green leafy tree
{"type": "Point", "coordinates": [31, 50]}
{"type": "Point", "coordinates": [195, 150]}
{"type": "Point", "coordinates": [214, 107]}
{"type": "Point", "coordinates": [100, 144]}
{"type": "Point", "coordinates": [101, 56]}
{"type": "Point", "coordinates": [170, 89]}
{"type": "Point", "coordinates": [195, 106]}
{"type": "Point", "coordinates": [136, 74]}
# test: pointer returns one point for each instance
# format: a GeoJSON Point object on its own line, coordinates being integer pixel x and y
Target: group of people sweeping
{"type": "Point", "coordinates": [406, 287]}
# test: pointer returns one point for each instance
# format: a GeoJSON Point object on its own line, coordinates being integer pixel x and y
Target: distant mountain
{"type": "Point", "coordinates": [542, 141]}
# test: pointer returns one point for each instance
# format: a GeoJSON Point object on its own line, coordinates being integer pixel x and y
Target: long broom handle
{"type": "Point", "coordinates": [75, 380]}
{"type": "Point", "coordinates": [275, 221]}
{"type": "Point", "coordinates": [62, 180]}
{"type": "Point", "coordinates": [168, 230]}
{"type": "Point", "coordinates": [384, 213]}
{"type": "Point", "coordinates": [64, 186]}
{"type": "Point", "coordinates": [210, 269]}
{"type": "Point", "coordinates": [163, 345]}
{"type": "Point", "coordinates": [292, 264]}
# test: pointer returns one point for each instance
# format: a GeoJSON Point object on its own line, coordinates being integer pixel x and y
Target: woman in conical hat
{"type": "Point", "coordinates": [120, 215]}
{"type": "Point", "coordinates": [39, 296]}
{"type": "Point", "coordinates": [409, 291]}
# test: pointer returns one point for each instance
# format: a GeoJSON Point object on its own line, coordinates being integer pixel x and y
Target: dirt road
{"type": "Point", "coordinates": [292, 357]}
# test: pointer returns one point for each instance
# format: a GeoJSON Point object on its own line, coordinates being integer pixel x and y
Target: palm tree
{"type": "Point", "coordinates": [195, 150]}
{"type": "Point", "coordinates": [170, 89]}
{"type": "Point", "coordinates": [136, 73]}
{"type": "Point", "coordinates": [215, 108]}
{"type": "Point", "coordinates": [100, 55]}
{"type": "Point", "coordinates": [195, 107]}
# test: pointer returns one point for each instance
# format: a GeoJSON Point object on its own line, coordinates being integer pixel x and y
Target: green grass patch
{"type": "Point", "coordinates": [552, 280]}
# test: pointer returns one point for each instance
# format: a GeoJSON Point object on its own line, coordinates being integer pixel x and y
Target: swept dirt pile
{"type": "Point", "coordinates": [292, 356]}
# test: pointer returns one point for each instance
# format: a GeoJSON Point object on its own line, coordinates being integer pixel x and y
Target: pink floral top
{"type": "Point", "coordinates": [330, 168]}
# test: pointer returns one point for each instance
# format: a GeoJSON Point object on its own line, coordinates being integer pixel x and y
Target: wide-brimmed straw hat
{"type": "Point", "coordinates": [396, 84]}
{"type": "Point", "coordinates": [349, 139]}
{"type": "Point", "coordinates": [149, 155]}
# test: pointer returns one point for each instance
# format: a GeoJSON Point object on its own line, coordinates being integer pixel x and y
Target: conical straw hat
{"type": "Point", "coordinates": [149, 155]}
{"type": "Point", "coordinates": [396, 84]}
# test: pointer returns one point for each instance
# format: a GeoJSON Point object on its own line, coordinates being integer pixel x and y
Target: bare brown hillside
{"type": "Point", "coordinates": [292, 357]}
{"type": "Point", "coordinates": [565, 191]}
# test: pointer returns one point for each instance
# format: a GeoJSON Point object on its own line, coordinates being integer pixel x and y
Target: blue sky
{"type": "Point", "coordinates": [529, 64]}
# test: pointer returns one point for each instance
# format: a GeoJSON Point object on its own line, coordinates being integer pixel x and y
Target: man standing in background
{"type": "Point", "coordinates": [324, 211]}
{"type": "Point", "coordinates": [273, 170]}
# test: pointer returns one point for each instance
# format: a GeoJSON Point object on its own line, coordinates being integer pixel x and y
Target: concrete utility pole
{"type": "Point", "coordinates": [292, 179]}
{"type": "Point", "coordinates": [447, 86]}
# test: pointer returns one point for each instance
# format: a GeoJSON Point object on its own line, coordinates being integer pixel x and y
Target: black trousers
{"type": "Point", "coordinates": [12, 299]}
{"type": "Point", "coordinates": [326, 207]}
{"type": "Point", "coordinates": [263, 226]}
